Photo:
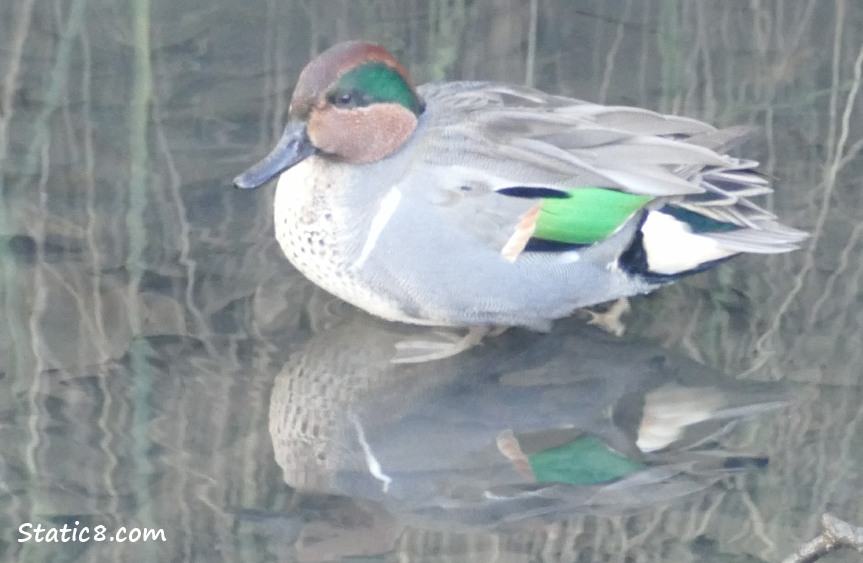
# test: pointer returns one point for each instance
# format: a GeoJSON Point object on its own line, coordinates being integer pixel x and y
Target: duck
{"type": "Point", "coordinates": [484, 204]}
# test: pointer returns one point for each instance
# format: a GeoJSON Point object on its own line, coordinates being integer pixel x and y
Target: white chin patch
{"type": "Point", "coordinates": [671, 246]}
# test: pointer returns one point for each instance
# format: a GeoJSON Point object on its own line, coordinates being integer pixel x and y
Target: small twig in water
{"type": "Point", "coordinates": [834, 535]}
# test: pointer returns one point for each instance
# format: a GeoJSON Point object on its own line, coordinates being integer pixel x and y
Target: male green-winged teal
{"type": "Point", "coordinates": [484, 204]}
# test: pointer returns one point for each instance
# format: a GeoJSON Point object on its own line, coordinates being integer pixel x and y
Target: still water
{"type": "Point", "coordinates": [164, 367]}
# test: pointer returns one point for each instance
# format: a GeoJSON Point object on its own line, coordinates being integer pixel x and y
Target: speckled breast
{"type": "Point", "coordinates": [313, 230]}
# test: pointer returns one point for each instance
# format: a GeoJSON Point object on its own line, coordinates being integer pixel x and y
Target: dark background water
{"type": "Point", "coordinates": [146, 310]}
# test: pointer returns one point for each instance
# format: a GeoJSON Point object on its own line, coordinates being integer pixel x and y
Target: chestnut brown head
{"type": "Point", "coordinates": [354, 102]}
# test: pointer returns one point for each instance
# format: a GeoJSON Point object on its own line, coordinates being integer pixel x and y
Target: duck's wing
{"type": "Point", "coordinates": [518, 166]}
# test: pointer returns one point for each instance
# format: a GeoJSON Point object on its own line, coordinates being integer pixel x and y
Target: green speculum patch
{"type": "Point", "coordinates": [586, 215]}
{"type": "Point", "coordinates": [585, 461]}
{"type": "Point", "coordinates": [378, 82]}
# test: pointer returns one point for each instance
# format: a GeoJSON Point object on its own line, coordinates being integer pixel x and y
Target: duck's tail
{"type": "Point", "coordinates": [697, 231]}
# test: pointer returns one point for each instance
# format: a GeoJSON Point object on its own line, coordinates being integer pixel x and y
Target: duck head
{"type": "Point", "coordinates": [354, 103]}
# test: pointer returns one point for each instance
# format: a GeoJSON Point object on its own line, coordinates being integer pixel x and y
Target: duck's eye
{"type": "Point", "coordinates": [343, 99]}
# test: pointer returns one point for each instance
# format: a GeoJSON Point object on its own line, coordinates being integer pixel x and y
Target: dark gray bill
{"type": "Point", "coordinates": [293, 148]}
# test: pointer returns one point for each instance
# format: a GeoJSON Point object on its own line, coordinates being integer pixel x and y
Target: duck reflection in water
{"type": "Point", "coordinates": [522, 430]}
